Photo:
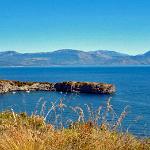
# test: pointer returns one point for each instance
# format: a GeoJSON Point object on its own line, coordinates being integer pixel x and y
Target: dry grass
{"type": "Point", "coordinates": [22, 132]}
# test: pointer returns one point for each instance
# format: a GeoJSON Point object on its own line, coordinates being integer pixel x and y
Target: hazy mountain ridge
{"type": "Point", "coordinates": [69, 57]}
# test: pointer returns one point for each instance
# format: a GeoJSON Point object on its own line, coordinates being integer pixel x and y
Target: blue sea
{"type": "Point", "coordinates": [132, 90]}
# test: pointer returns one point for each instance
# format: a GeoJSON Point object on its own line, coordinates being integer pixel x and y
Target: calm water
{"type": "Point", "coordinates": [132, 83]}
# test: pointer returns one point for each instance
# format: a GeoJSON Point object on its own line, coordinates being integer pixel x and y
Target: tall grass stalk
{"type": "Point", "coordinates": [18, 131]}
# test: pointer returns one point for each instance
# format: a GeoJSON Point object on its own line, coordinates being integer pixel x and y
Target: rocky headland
{"type": "Point", "coordinates": [70, 86]}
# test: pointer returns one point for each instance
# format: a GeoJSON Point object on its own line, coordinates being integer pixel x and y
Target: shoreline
{"type": "Point", "coordinates": [67, 86]}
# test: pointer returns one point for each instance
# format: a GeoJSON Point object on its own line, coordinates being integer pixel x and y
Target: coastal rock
{"type": "Point", "coordinates": [85, 87]}
{"type": "Point", "coordinates": [7, 86]}
{"type": "Point", "coordinates": [71, 86]}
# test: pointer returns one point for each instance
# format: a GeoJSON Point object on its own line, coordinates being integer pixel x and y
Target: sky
{"type": "Point", "coordinates": [48, 25]}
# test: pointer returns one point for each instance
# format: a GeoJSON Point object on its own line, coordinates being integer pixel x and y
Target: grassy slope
{"type": "Point", "coordinates": [22, 132]}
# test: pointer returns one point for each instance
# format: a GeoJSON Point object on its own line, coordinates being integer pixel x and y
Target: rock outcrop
{"type": "Point", "coordinates": [71, 86]}
{"type": "Point", "coordinates": [85, 87]}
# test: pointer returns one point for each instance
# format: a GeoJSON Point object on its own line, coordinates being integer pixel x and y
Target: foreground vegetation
{"type": "Point", "coordinates": [23, 132]}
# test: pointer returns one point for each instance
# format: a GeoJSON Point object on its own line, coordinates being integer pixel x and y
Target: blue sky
{"type": "Point", "coordinates": [47, 25]}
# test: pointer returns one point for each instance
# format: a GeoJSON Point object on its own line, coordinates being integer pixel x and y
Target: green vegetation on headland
{"type": "Point", "coordinates": [18, 131]}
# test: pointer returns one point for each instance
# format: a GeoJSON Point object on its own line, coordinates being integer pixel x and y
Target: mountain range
{"type": "Point", "coordinates": [70, 57]}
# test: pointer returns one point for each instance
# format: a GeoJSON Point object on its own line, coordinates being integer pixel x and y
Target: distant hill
{"type": "Point", "coordinates": [70, 57]}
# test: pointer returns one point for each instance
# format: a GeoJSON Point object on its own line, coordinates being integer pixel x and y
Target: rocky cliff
{"type": "Point", "coordinates": [71, 86]}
